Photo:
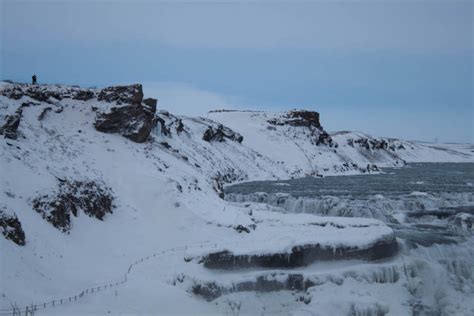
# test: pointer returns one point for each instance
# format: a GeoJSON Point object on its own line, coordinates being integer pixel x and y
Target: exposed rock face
{"type": "Point", "coordinates": [303, 118]}
{"type": "Point", "coordinates": [11, 125]}
{"type": "Point", "coordinates": [163, 129]}
{"type": "Point", "coordinates": [299, 256]}
{"type": "Point", "coordinates": [151, 103]}
{"type": "Point", "coordinates": [325, 138]}
{"type": "Point", "coordinates": [263, 283]}
{"type": "Point", "coordinates": [369, 144]}
{"type": "Point", "coordinates": [42, 95]}
{"type": "Point", "coordinates": [219, 179]}
{"type": "Point", "coordinates": [83, 95]}
{"type": "Point", "coordinates": [370, 168]}
{"type": "Point", "coordinates": [287, 281]}
{"type": "Point", "coordinates": [132, 94]}
{"type": "Point", "coordinates": [179, 126]}
{"type": "Point", "coordinates": [36, 92]}
{"type": "Point", "coordinates": [11, 228]}
{"type": "Point", "coordinates": [298, 118]}
{"type": "Point", "coordinates": [133, 122]}
{"type": "Point", "coordinates": [221, 133]}
{"type": "Point", "coordinates": [13, 92]}
{"type": "Point", "coordinates": [92, 198]}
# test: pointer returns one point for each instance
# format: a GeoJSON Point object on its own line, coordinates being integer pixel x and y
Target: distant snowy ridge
{"type": "Point", "coordinates": [304, 150]}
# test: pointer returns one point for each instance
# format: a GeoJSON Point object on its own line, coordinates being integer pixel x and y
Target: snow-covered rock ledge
{"type": "Point", "coordinates": [284, 241]}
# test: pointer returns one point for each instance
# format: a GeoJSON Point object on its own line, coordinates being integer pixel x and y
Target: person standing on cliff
{"type": "Point", "coordinates": [33, 79]}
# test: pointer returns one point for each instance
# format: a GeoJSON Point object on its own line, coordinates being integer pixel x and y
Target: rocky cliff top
{"type": "Point", "coordinates": [298, 118]}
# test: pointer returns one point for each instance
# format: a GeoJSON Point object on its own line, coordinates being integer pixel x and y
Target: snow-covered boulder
{"type": "Point", "coordinates": [220, 133]}
{"type": "Point", "coordinates": [134, 122]}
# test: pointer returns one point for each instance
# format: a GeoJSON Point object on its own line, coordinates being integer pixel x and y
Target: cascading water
{"type": "Point", "coordinates": [429, 206]}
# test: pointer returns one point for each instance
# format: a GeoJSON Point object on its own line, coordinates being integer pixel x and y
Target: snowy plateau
{"type": "Point", "coordinates": [109, 206]}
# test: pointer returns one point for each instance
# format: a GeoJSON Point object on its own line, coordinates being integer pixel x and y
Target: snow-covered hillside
{"type": "Point", "coordinates": [299, 147]}
{"type": "Point", "coordinates": [91, 180]}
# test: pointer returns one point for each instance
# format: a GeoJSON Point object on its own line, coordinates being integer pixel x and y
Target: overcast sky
{"type": "Point", "coordinates": [389, 68]}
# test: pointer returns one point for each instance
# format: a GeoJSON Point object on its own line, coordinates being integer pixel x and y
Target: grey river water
{"type": "Point", "coordinates": [424, 177]}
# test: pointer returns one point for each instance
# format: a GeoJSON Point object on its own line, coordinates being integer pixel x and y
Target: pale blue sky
{"type": "Point", "coordinates": [390, 68]}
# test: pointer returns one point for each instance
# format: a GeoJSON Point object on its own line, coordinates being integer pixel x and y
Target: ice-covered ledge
{"type": "Point", "coordinates": [281, 240]}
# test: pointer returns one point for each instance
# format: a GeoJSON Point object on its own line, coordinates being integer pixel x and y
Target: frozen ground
{"type": "Point", "coordinates": [166, 195]}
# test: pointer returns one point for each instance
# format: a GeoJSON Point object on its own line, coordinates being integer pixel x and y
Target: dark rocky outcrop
{"type": "Point", "coordinates": [151, 103]}
{"type": "Point", "coordinates": [370, 168]}
{"type": "Point", "coordinates": [370, 144]}
{"type": "Point", "coordinates": [83, 95]}
{"type": "Point", "coordinates": [11, 228]}
{"type": "Point", "coordinates": [13, 92]}
{"type": "Point", "coordinates": [219, 179]}
{"type": "Point", "coordinates": [92, 198]}
{"type": "Point", "coordinates": [325, 139]}
{"type": "Point", "coordinates": [263, 283]}
{"type": "Point", "coordinates": [36, 92]}
{"type": "Point", "coordinates": [179, 126]}
{"type": "Point", "coordinates": [134, 122]}
{"type": "Point", "coordinates": [298, 118]}
{"type": "Point", "coordinates": [163, 129]}
{"type": "Point", "coordinates": [299, 256]}
{"type": "Point", "coordinates": [220, 134]}
{"type": "Point", "coordinates": [303, 118]}
{"type": "Point", "coordinates": [131, 94]}
{"type": "Point", "coordinates": [168, 123]}
{"type": "Point", "coordinates": [12, 122]}
{"type": "Point", "coordinates": [288, 281]}
{"type": "Point", "coordinates": [42, 95]}
{"type": "Point", "coordinates": [241, 228]}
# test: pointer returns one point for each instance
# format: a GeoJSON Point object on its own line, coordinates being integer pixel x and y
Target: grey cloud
{"type": "Point", "coordinates": [328, 26]}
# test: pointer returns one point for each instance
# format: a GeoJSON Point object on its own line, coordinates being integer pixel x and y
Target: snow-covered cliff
{"type": "Point", "coordinates": [92, 179]}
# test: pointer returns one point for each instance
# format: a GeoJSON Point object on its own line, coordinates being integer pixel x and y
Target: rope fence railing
{"type": "Point", "coordinates": [32, 308]}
